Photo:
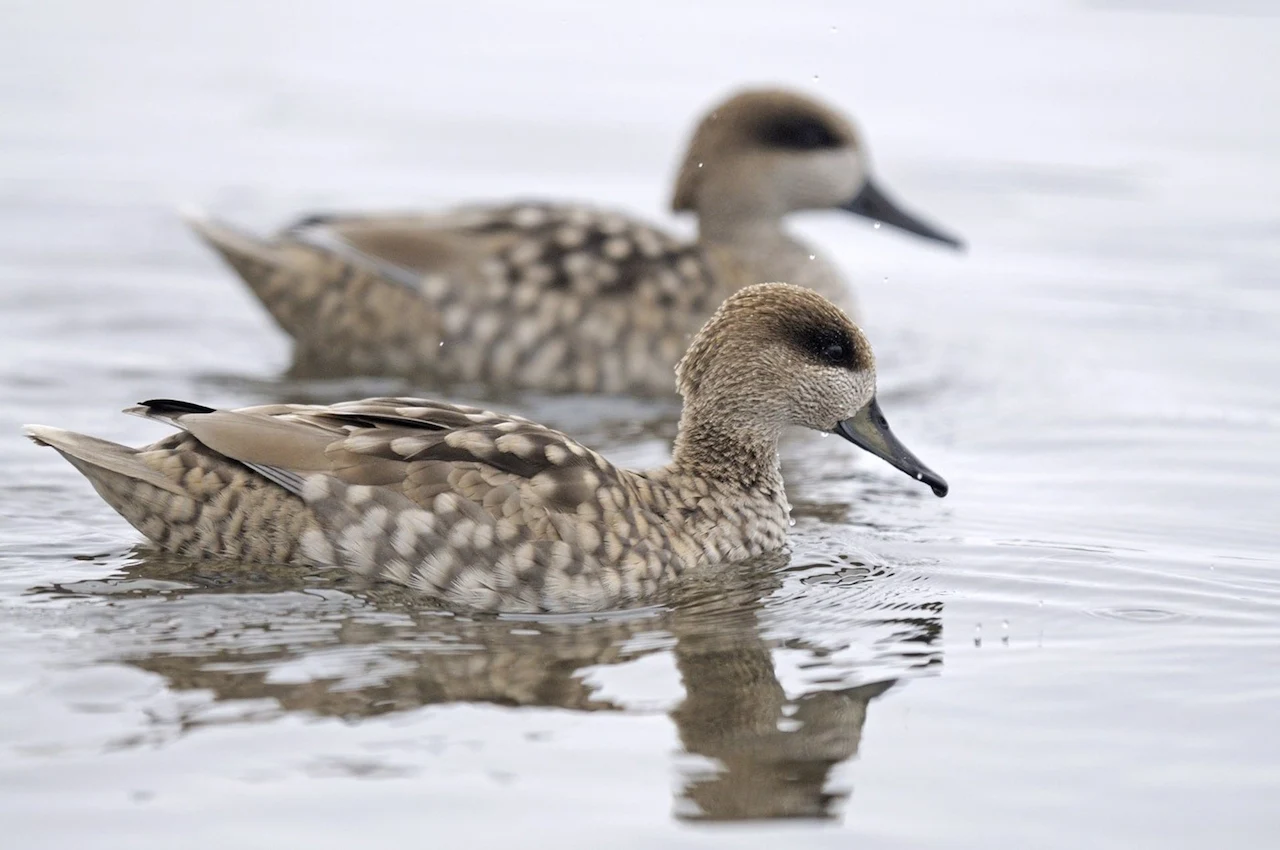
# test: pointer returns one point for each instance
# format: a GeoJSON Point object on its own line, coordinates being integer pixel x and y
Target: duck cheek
{"type": "Point", "coordinates": [822, 179]}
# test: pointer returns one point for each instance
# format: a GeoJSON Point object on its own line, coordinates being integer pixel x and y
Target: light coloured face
{"type": "Point", "coordinates": [820, 396]}
{"type": "Point", "coordinates": [811, 179]}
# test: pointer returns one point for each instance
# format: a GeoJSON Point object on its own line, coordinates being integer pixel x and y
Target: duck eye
{"type": "Point", "coordinates": [834, 353]}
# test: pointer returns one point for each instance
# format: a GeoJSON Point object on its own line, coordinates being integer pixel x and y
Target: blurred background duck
{"type": "Point", "coordinates": [559, 297]}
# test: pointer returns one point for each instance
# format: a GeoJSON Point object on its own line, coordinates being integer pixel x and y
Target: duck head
{"type": "Point", "coordinates": [776, 355]}
{"type": "Point", "coordinates": [764, 153]}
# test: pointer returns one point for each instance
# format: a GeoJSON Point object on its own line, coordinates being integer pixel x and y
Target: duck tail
{"type": "Point", "coordinates": [288, 277]}
{"type": "Point", "coordinates": [114, 470]}
{"type": "Point", "coordinates": [330, 298]}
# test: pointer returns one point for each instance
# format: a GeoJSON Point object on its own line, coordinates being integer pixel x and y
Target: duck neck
{"type": "Point", "coordinates": [755, 248]}
{"type": "Point", "coordinates": [725, 224]}
{"type": "Point", "coordinates": [713, 446]}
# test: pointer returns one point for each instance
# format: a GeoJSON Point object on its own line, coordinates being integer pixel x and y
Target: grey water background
{"type": "Point", "coordinates": [1079, 647]}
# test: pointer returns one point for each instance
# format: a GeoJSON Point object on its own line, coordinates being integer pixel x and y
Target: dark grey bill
{"type": "Point", "coordinates": [876, 205]}
{"type": "Point", "coordinates": [868, 429]}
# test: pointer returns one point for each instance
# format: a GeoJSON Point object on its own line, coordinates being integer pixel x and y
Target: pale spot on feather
{"type": "Point", "coordinates": [415, 412]}
{"type": "Point", "coordinates": [528, 217]}
{"type": "Point", "coordinates": [504, 570]}
{"type": "Point", "coordinates": [315, 488]}
{"type": "Point", "coordinates": [461, 533]}
{"type": "Point", "coordinates": [411, 527]}
{"type": "Point", "coordinates": [525, 253]}
{"type": "Point", "coordinates": [406, 446]}
{"type": "Point", "coordinates": [517, 444]}
{"type": "Point", "coordinates": [613, 546]}
{"type": "Point", "coordinates": [507, 531]}
{"type": "Point", "coordinates": [557, 453]}
{"type": "Point", "coordinates": [435, 286]}
{"type": "Point", "coordinates": [435, 568]}
{"type": "Point", "coordinates": [374, 520]}
{"type": "Point", "coordinates": [475, 442]}
{"type": "Point", "coordinates": [359, 551]}
{"type": "Point", "coordinates": [455, 319]}
{"type": "Point", "coordinates": [577, 263]}
{"type": "Point", "coordinates": [398, 571]}
{"type": "Point", "coordinates": [358, 494]}
{"type": "Point", "coordinates": [317, 548]}
{"type": "Point", "coordinates": [561, 556]}
{"type": "Point", "coordinates": [525, 558]}
{"type": "Point", "coordinates": [689, 267]}
{"type": "Point", "coordinates": [537, 275]}
{"type": "Point", "coordinates": [588, 537]}
{"type": "Point", "coordinates": [570, 237]}
{"type": "Point", "coordinates": [617, 248]}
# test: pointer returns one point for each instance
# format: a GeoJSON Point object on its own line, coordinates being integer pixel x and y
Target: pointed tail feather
{"type": "Point", "coordinates": [92, 456]}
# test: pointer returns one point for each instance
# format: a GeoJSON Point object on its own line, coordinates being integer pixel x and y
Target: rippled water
{"type": "Point", "coordinates": [1079, 647]}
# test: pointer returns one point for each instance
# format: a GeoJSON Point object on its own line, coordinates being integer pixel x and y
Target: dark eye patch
{"type": "Point", "coordinates": [827, 345]}
{"type": "Point", "coordinates": [798, 132]}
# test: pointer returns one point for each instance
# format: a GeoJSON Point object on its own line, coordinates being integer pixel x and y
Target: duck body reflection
{"type": "Point", "coordinates": [337, 647]}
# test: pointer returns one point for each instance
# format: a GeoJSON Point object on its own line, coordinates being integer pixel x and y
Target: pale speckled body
{"type": "Point", "coordinates": [492, 512]}
{"type": "Point", "coordinates": [482, 511]}
{"type": "Point", "coordinates": [557, 297]}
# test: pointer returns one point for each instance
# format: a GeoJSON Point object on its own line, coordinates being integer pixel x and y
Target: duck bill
{"type": "Point", "coordinates": [868, 429]}
{"type": "Point", "coordinates": [877, 206]}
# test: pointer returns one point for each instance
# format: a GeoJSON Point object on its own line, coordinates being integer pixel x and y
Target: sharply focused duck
{"type": "Point", "coordinates": [490, 512]}
{"type": "Point", "coordinates": [564, 298]}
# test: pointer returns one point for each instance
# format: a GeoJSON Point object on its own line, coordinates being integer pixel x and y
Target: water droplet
{"type": "Point", "coordinates": [876, 226]}
{"type": "Point", "coordinates": [699, 165]}
{"type": "Point", "coordinates": [886, 279]}
{"type": "Point", "coordinates": [1004, 632]}
{"type": "Point", "coordinates": [441, 344]}
{"type": "Point", "coordinates": [813, 256]}
{"type": "Point", "coordinates": [791, 522]}
{"type": "Point", "coordinates": [835, 29]}
{"type": "Point", "coordinates": [815, 76]}
{"type": "Point", "coordinates": [977, 635]}
{"type": "Point", "coordinates": [919, 476]}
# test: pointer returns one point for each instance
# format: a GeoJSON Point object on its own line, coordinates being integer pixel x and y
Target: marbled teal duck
{"type": "Point", "coordinates": [490, 512]}
{"type": "Point", "coordinates": [565, 298]}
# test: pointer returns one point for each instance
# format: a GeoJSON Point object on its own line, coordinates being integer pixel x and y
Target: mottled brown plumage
{"type": "Point", "coordinates": [559, 297]}
{"type": "Point", "coordinates": [494, 512]}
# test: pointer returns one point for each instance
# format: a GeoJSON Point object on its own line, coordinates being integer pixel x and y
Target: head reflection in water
{"type": "Point", "coordinates": [773, 755]}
